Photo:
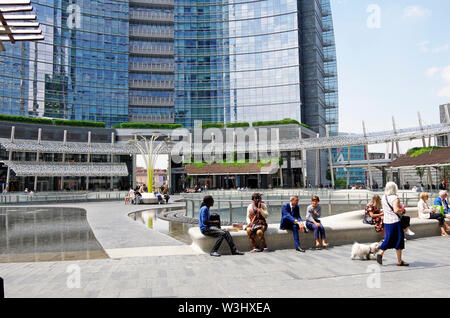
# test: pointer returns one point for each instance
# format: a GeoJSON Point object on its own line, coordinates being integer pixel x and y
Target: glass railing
{"type": "Point", "coordinates": [57, 197]}
{"type": "Point", "coordinates": [232, 205]}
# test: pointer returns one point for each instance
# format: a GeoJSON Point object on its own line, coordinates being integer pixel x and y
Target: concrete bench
{"type": "Point", "coordinates": [341, 229]}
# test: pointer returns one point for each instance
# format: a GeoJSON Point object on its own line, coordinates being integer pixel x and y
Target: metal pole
{"type": "Point", "coordinates": [317, 166]}
{"type": "Point", "coordinates": [400, 177]}
{"type": "Point", "coordinates": [8, 173]}
{"type": "Point", "coordinates": [64, 157]}
{"type": "Point", "coordinates": [111, 180]}
{"type": "Point", "coordinates": [424, 143]}
{"type": "Point", "coordinates": [37, 157]}
{"type": "Point", "coordinates": [348, 167]}
{"type": "Point", "coordinates": [88, 159]}
{"type": "Point", "coordinates": [330, 158]}
{"type": "Point", "coordinates": [368, 157]}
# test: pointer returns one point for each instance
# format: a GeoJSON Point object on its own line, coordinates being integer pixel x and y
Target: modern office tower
{"type": "Point", "coordinates": [444, 110]}
{"type": "Point", "coordinates": [330, 70]}
{"type": "Point", "coordinates": [80, 70]}
{"type": "Point", "coordinates": [151, 61]}
{"type": "Point", "coordinates": [255, 60]}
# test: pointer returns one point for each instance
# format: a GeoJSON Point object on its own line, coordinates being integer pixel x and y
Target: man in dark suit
{"type": "Point", "coordinates": [291, 220]}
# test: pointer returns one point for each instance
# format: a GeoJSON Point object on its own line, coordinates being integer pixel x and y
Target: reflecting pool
{"type": "Point", "coordinates": [31, 234]}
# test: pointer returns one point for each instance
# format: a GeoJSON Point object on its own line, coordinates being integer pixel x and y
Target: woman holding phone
{"type": "Point", "coordinates": [256, 223]}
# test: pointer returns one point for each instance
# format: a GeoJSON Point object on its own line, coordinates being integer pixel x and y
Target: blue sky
{"type": "Point", "coordinates": [392, 68]}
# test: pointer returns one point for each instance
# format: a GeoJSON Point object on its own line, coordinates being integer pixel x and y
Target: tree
{"type": "Point", "coordinates": [420, 172]}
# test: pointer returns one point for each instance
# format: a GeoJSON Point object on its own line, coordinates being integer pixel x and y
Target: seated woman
{"type": "Point", "coordinates": [373, 212]}
{"type": "Point", "coordinates": [425, 212]}
{"type": "Point", "coordinates": [256, 223]}
{"type": "Point", "coordinates": [313, 213]}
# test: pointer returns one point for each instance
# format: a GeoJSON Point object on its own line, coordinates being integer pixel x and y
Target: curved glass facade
{"type": "Point", "coordinates": [80, 70]}
{"type": "Point", "coordinates": [236, 61]}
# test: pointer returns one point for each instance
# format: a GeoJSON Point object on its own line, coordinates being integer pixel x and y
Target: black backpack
{"type": "Point", "coordinates": [215, 217]}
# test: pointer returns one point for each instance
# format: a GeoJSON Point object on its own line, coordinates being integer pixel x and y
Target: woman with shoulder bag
{"type": "Point", "coordinates": [394, 235]}
{"type": "Point", "coordinates": [256, 223]}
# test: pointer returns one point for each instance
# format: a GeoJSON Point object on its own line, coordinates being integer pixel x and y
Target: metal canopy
{"type": "Point", "coordinates": [69, 169]}
{"type": "Point", "coordinates": [16, 26]}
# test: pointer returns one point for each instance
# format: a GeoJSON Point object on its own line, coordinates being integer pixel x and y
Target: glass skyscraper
{"type": "Point", "coordinates": [80, 70]}
{"type": "Point", "coordinates": [255, 60]}
{"type": "Point", "coordinates": [151, 61]}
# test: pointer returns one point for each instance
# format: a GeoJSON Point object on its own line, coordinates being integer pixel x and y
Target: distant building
{"type": "Point", "coordinates": [444, 141]}
{"type": "Point", "coordinates": [159, 177]}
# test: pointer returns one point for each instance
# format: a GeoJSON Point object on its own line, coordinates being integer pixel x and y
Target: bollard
{"type": "Point", "coordinates": [2, 289]}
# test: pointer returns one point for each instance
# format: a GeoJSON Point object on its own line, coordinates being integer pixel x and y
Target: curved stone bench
{"type": "Point", "coordinates": [345, 228]}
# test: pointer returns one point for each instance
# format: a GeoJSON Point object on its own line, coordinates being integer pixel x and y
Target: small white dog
{"type": "Point", "coordinates": [364, 251]}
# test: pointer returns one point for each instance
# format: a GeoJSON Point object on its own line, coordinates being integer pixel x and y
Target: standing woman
{"type": "Point", "coordinates": [313, 223]}
{"type": "Point", "coordinates": [394, 236]}
{"type": "Point", "coordinates": [256, 223]}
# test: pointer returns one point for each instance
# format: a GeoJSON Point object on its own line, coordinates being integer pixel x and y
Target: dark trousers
{"type": "Point", "coordinates": [439, 217]}
{"type": "Point", "coordinates": [318, 230]}
{"type": "Point", "coordinates": [214, 231]}
{"type": "Point", "coordinates": [294, 228]}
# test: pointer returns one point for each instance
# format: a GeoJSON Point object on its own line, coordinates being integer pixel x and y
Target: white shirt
{"type": "Point", "coordinates": [424, 209]}
{"type": "Point", "coordinates": [390, 216]}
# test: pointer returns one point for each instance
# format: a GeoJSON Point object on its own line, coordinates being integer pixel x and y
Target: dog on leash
{"type": "Point", "coordinates": [364, 251]}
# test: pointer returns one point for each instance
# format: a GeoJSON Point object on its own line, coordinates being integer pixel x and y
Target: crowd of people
{"type": "Point", "coordinates": [134, 196]}
{"type": "Point", "coordinates": [256, 224]}
{"type": "Point", "coordinates": [387, 215]}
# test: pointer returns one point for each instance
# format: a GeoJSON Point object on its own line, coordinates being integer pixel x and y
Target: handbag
{"type": "Point", "coordinates": [367, 219]}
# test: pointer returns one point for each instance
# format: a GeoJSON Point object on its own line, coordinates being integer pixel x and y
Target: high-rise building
{"type": "Point", "coordinates": [255, 60]}
{"type": "Point", "coordinates": [80, 70]}
{"type": "Point", "coordinates": [444, 111]}
{"type": "Point", "coordinates": [151, 61]}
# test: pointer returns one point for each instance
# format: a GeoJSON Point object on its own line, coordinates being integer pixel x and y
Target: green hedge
{"type": "Point", "coordinates": [78, 123]}
{"type": "Point", "coordinates": [48, 121]}
{"type": "Point", "coordinates": [149, 126]}
{"type": "Point", "coordinates": [212, 125]}
{"type": "Point", "coordinates": [237, 125]}
{"type": "Point", "coordinates": [286, 121]}
{"type": "Point", "coordinates": [417, 151]}
{"type": "Point", "coordinates": [22, 119]}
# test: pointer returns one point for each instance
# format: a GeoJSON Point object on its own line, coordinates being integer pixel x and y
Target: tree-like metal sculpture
{"type": "Point", "coordinates": [150, 152]}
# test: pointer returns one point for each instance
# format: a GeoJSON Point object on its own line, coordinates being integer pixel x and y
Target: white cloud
{"type": "Point", "coordinates": [446, 74]}
{"type": "Point", "coordinates": [416, 12]}
{"type": "Point", "coordinates": [440, 49]}
{"type": "Point", "coordinates": [444, 92]}
{"type": "Point", "coordinates": [432, 70]}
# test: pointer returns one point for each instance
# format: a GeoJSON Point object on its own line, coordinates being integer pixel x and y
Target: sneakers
{"type": "Point", "coordinates": [236, 252]}
{"type": "Point", "coordinates": [214, 254]}
{"type": "Point", "coordinates": [299, 249]}
{"type": "Point", "coordinates": [410, 233]}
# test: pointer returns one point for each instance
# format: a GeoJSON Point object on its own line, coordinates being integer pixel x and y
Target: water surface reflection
{"type": "Point", "coordinates": [30, 234]}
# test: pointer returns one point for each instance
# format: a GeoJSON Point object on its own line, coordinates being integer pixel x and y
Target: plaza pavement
{"type": "Point", "coordinates": [146, 263]}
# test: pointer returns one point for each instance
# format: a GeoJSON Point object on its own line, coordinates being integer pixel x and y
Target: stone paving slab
{"type": "Point", "coordinates": [283, 273]}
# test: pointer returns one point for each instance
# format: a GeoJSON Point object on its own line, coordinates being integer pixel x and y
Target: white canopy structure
{"type": "Point", "coordinates": [16, 26]}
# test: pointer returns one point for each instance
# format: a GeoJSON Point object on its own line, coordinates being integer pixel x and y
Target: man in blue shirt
{"type": "Point", "coordinates": [291, 220]}
{"type": "Point", "coordinates": [212, 228]}
{"type": "Point", "coordinates": [442, 200]}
